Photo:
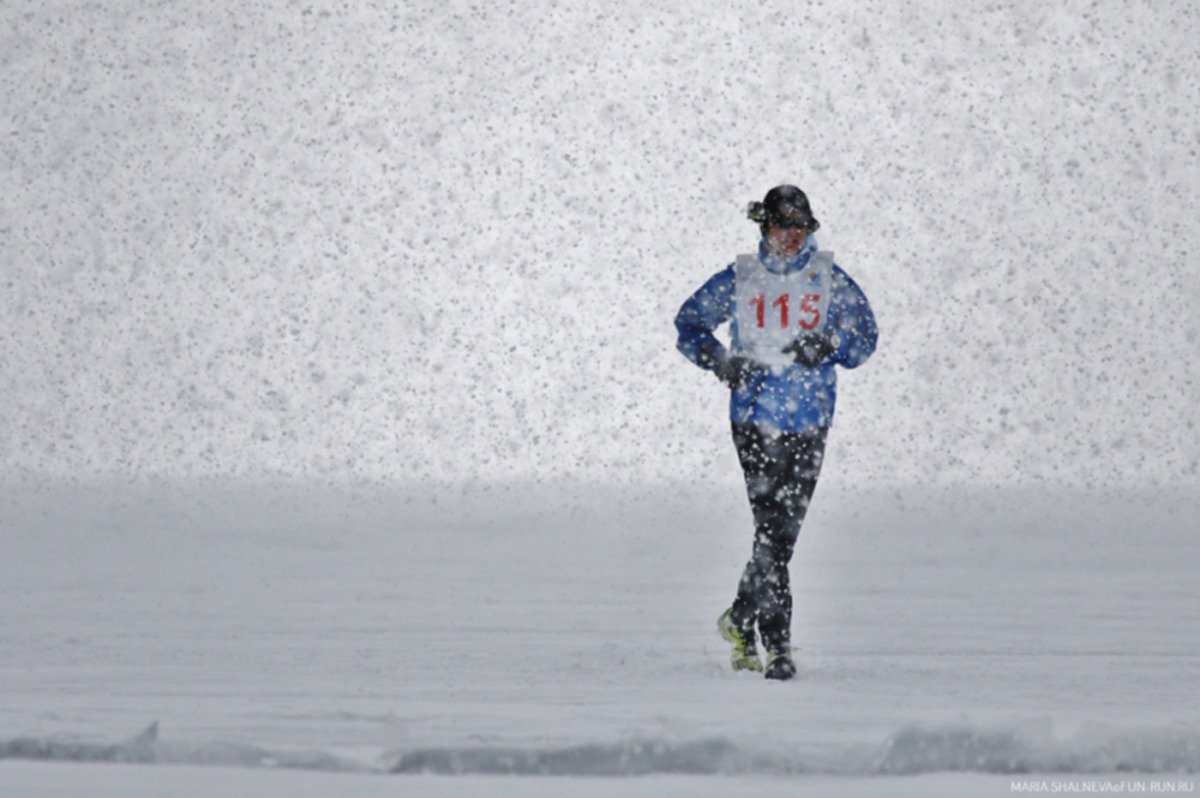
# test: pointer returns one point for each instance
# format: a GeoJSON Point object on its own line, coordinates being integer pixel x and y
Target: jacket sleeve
{"type": "Point", "coordinates": [703, 312]}
{"type": "Point", "coordinates": [851, 318]}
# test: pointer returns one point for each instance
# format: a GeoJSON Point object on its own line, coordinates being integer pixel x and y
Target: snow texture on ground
{"type": "Point", "coordinates": [532, 630]}
{"type": "Point", "coordinates": [120, 781]}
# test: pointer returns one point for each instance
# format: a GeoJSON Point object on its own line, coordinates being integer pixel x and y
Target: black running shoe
{"type": "Point", "coordinates": [780, 665]}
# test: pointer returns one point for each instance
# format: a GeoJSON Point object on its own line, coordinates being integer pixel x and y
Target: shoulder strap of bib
{"type": "Point", "coordinates": [823, 258]}
{"type": "Point", "coordinates": [744, 262]}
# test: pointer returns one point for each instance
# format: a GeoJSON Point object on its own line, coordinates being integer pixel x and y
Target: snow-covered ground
{"type": "Point", "coordinates": [123, 781]}
{"type": "Point", "coordinates": [543, 629]}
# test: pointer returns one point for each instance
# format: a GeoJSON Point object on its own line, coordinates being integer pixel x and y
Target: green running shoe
{"type": "Point", "coordinates": [745, 655]}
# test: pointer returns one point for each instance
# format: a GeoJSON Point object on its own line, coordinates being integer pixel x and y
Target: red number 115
{"type": "Point", "coordinates": [810, 312]}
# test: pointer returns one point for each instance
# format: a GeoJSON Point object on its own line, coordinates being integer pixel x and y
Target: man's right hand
{"type": "Point", "coordinates": [735, 370]}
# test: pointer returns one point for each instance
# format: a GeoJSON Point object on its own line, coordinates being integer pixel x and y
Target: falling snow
{"type": "Point", "coordinates": [424, 258]}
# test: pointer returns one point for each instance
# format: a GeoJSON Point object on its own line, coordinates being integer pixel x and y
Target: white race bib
{"type": "Point", "coordinates": [775, 309]}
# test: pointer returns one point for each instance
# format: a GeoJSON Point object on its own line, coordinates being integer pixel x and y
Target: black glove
{"type": "Point", "coordinates": [733, 370]}
{"type": "Point", "coordinates": [812, 349]}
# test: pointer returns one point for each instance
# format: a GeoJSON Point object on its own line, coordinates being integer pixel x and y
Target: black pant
{"type": "Point", "coordinates": [781, 472]}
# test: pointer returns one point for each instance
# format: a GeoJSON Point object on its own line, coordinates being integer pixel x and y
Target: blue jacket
{"type": "Point", "coordinates": [784, 398]}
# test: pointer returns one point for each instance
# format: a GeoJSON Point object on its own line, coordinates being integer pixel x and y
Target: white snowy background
{"type": "Point", "coordinates": [447, 241]}
{"type": "Point", "coordinates": [347, 329]}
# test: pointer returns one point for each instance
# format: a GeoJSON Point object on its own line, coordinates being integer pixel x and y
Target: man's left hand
{"type": "Point", "coordinates": [813, 349]}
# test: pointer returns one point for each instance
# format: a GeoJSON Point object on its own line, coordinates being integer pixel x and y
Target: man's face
{"type": "Point", "coordinates": [785, 242]}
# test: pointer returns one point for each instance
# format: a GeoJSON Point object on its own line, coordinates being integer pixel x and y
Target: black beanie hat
{"type": "Point", "coordinates": [784, 206]}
